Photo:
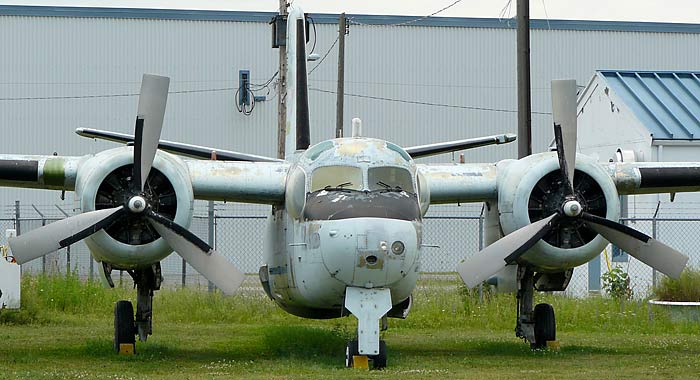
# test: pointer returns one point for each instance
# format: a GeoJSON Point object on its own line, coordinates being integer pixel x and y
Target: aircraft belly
{"type": "Point", "coordinates": [317, 287]}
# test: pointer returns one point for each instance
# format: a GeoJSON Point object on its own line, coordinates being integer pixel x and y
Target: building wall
{"type": "Point", "coordinates": [606, 124]}
{"type": "Point", "coordinates": [468, 68]}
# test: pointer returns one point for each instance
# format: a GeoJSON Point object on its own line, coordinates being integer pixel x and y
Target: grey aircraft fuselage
{"type": "Point", "coordinates": [352, 218]}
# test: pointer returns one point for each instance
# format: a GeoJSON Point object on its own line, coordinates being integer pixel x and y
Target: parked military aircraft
{"type": "Point", "coordinates": [344, 234]}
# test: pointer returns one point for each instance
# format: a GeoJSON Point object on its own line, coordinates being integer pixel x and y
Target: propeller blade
{"type": "Point", "coordinates": [496, 256]}
{"type": "Point", "coordinates": [52, 237]}
{"type": "Point", "coordinates": [149, 122]}
{"type": "Point", "coordinates": [564, 115]}
{"type": "Point", "coordinates": [641, 246]}
{"type": "Point", "coordinates": [215, 267]}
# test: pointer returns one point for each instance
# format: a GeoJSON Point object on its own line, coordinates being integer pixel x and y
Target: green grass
{"type": "Point", "coordinates": [65, 329]}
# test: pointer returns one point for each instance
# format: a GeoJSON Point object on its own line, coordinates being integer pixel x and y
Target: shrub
{"type": "Point", "coordinates": [616, 283]}
{"type": "Point", "coordinates": [686, 288]}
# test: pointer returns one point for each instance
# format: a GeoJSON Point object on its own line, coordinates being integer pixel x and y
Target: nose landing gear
{"type": "Point", "coordinates": [351, 352]}
{"type": "Point", "coordinates": [369, 306]}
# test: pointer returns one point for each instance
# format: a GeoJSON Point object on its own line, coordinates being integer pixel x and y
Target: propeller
{"type": "Point", "coordinates": [149, 121]}
{"type": "Point", "coordinates": [507, 250]}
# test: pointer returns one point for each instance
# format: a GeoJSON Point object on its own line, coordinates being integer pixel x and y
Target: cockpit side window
{"type": "Point", "coordinates": [336, 177]}
{"type": "Point", "coordinates": [390, 178]}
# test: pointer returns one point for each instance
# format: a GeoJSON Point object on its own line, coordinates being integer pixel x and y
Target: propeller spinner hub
{"type": "Point", "coordinates": [572, 208]}
{"type": "Point", "coordinates": [137, 204]}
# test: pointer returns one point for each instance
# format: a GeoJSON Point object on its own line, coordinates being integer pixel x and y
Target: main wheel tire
{"type": "Point", "coordinates": [124, 330]}
{"type": "Point", "coordinates": [545, 325]}
{"type": "Point", "coordinates": [379, 361]}
{"type": "Point", "coordinates": [351, 349]}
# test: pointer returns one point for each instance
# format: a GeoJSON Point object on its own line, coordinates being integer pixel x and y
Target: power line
{"type": "Point", "coordinates": [264, 85]}
{"type": "Point", "coordinates": [432, 104]}
{"type": "Point", "coordinates": [440, 85]}
{"type": "Point", "coordinates": [114, 95]}
{"type": "Point", "coordinates": [412, 21]}
{"type": "Point", "coordinates": [427, 103]}
{"type": "Point", "coordinates": [324, 56]}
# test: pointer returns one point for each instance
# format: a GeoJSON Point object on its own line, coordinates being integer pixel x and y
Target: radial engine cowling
{"type": "Point", "coordinates": [104, 182]}
{"type": "Point", "coordinates": [531, 189]}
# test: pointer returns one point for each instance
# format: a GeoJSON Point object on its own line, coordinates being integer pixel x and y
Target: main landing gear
{"type": "Point", "coordinates": [126, 324]}
{"type": "Point", "coordinates": [537, 325]}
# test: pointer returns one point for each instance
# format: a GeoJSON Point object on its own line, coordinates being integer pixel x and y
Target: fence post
{"type": "Point", "coordinates": [65, 214]}
{"type": "Point", "coordinates": [653, 235]}
{"type": "Point", "coordinates": [184, 273]}
{"type": "Point", "coordinates": [43, 223]}
{"type": "Point", "coordinates": [18, 230]}
{"type": "Point", "coordinates": [481, 246]}
{"type": "Point", "coordinates": [210, 236]}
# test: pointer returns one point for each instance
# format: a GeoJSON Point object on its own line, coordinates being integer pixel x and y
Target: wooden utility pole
{"type": "Point", "coordinates": [342, 30]}
{"type": "Point", "coordinates": [282, 92]}
{"type": "Point", "coordinates": [524, 106]}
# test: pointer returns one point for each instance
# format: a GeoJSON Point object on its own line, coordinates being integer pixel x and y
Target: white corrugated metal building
{"type": "Point", "coordinates": [67, 67]}
{"type": "Point", "coordinates": [430, 80]}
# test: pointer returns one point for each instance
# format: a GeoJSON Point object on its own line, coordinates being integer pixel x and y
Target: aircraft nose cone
{"type": "Point", "coordinates": [369, 252]}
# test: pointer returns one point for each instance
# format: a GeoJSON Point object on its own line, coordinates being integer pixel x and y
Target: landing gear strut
{"type": "Point", "coordinates": [146, 281]}
{"type": "Point", "coordinates": [126, 325]}
{"type": "Point", "coordinates": [535, 325]}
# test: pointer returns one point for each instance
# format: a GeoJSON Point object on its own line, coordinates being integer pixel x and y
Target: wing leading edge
{"type": "Point", "coordinates": [188, 150]}
{"type": "Point", "coordinates": [249, 182]}
{"type": "Point", "coordinates": [39, 172]}
{"type": "Point", "coordinates": [655, 177]}
{"type": "Point", "coordinates": [460, 183]}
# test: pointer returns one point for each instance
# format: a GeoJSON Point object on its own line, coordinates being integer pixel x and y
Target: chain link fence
{"type": "Point", "coordinates": [449, 237]}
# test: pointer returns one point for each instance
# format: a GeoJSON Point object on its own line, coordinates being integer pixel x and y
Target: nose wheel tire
{"type": "Point", "coordinates": [124, 327]}
{"type": "Point", "coordinates": [379, 361]}
{"type": "Point", "coordinates": [352, 349]}
{"type": "Point", "coordinates": [545, 325]}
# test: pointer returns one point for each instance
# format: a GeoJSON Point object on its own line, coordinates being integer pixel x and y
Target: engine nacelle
{"type": "Point", "coordinates": [531, 189]}
{"type": "Point", "coordinates": [103, 181]}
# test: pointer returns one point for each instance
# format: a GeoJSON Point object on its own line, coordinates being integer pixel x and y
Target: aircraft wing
{"type": "Point", "coordinates": [463, 183]}
{"type": "Point", "coordinates": [39, 172]}
{"type": "Point", "coordinates": [453, 146]}
{"type": "Point", "coordinates": [187, 150]}
{"type": "Point", "coordinates": [655, 177]}
{"type": "Point", "coordinates": [250, 182]}
{"type": "Point", "coordinates": [460, 183]}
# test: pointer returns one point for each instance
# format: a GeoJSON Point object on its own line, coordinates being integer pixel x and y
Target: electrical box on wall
{"type": "Point", "coordinates": [279, 30]}
{"type": "Point", "coordinates": [244, 87]}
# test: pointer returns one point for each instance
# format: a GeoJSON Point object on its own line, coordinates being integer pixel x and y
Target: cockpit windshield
{"type": "Point", "coordinates": [336, 178]}
{"type": "Point", "coordinates": [337, 192]}
{"type": "Point", "coordinates": [390, 179]}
